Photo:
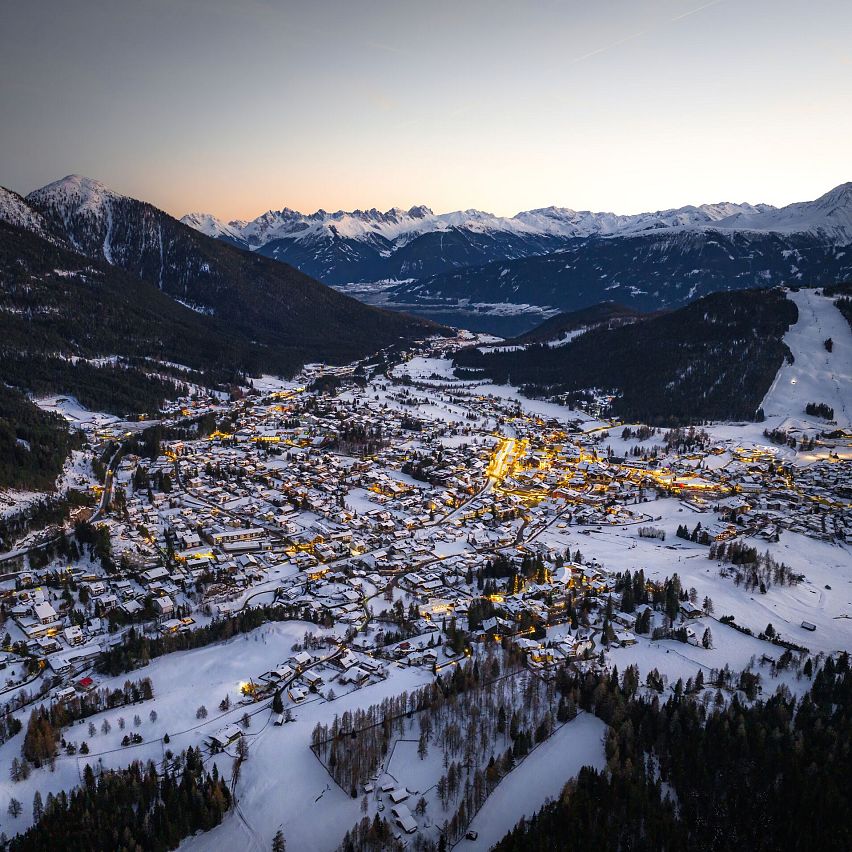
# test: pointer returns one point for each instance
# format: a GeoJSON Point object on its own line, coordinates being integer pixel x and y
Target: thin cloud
{"type": "Point", "coordinates": [641, 33]}
{"type": "Point", "coordinates": [614, 44]}
{"type": "Point", "coordinates": [696, 10]}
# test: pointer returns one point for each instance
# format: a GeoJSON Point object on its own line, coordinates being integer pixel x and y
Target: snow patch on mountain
{"type": "Point", "coordinates": [15, 210]}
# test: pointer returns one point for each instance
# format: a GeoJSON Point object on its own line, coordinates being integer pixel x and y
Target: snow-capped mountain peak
{"type": "Point", "coordinates": [368, 244]}
{"type": "Point", "coordinates": [828, 217]}
{"type": "Point", "coordinates": [74, 192]}
{"type": "Point", "coordinates": [208, 224]}
{"type": "Point", "coordinates": [836, 200]}
{"type": "Point", "coordinates": [420, 211]}
{"type": "Point", "coordinates": [81, 207]}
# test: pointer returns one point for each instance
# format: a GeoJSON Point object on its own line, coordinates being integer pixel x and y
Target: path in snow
{"type": "Point", "coordinates": [817, 375]}
{"type": "Point", "coordinates": [542, 775]}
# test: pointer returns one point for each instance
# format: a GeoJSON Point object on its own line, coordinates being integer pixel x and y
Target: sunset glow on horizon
{"type": "Point", "coordinates": [234, 108]}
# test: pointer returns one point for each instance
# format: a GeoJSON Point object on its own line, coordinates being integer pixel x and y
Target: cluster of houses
{"type": "Point", "coordinates": [300, 676]}
{"type": "Point", "coordinates": [323, 501]}
{"type": "Point", "coordinates": [815, 500]}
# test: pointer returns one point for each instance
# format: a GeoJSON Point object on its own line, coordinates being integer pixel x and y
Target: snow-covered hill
{"type": "Point", "coordinates": [815, 375]}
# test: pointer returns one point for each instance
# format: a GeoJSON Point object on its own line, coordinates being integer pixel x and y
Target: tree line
{"type": "Point", "coordinates": [46, 723]}
{"type": "Point", "coordinates": [138, 650]}
{"type": "Point", "coordinates": [755, 570]}
{"type": "Point", "coordinates": [484, 719]}
{"type": "Point", "coordinates": [130, 809]}
{"type": "Point", "coordinates": [33, 443]}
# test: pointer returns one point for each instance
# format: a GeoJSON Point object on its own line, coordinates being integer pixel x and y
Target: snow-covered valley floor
{"type": "Point", "coordinates": [284, 785]}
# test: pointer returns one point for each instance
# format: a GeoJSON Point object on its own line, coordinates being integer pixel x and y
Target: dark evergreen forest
{"type": "Point", "coordinates": [711, 360]}
{"type": "Point", "coordinates": [680, 776]}
{"type": "Point", "coordinates": [131, 809]}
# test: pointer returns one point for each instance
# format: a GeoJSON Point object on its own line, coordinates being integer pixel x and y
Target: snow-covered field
{"type": "Point", "coordinates": [283, 785]}
{"type": "Point", "coordinates": [823, 564]}
{"type": "Point", "coordinates": [273, 384]}
{"type": "Point", "coordinates": [182, 683]}
{"type": "Point", "coordinates": [74, 412]}
{"type": "Point", "coordinates": [13, 501]}
{"type": "Point", "coordinates": [427, 369]}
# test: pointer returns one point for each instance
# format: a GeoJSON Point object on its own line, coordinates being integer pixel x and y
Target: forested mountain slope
{"type": "Point", "coordinates": [33, 443]}
{"type": "Point", "coordinates": [560, 326]}
{"type": "Point", "coordinates": [114, 302]}
{"type": "Point", "coordinates": [71, 325]}
{"type": "Point", "coordinates": [711, 360]}
{"type": "Point", "coordinates": [296, 318]}
{"type": "Point", "coordinates": [645, 271]}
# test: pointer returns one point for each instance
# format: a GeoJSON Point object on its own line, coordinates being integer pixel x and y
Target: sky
{"type": "Point", "coordinates": [239, 107]}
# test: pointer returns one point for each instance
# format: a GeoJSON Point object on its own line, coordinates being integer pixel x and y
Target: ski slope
{"type": "Point", "coordinates": [541, 776]}
{"type": "Point", "coordinates": [816, 375]}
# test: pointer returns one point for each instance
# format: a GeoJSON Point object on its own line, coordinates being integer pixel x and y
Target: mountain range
{"type": "Point", "coordinates": [398, 227]}
{"type": "Point", "coordinates": [285, 316]}
{"type": "Point", "coordinates": [474, 268]}
{"type": "Point", "coordinates": [363, 245]}
{"type": "Point", "coordinates": [113, 301]}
